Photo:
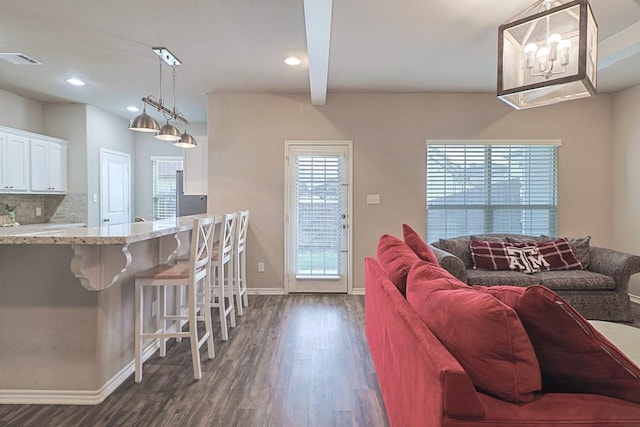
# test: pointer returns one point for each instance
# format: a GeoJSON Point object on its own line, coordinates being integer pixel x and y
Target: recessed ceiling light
{"type": "Point", "coordinates": [75, 81]}
{"type": "Point", "coordinates": [292, 60]}
{"type": "Point", "coordinates": [132, 108]}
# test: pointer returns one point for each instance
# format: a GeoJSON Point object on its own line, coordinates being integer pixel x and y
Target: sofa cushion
{"type": "Point", "coordinates": [485, 336]}
{"type": "Point", "coordinates": [574, 280]}
{"type": "Point", "coordinates": [505, 278]}
{"type": "Point", "coordinates": [571, 352]}
{"type": "Point", "coordinates": [419, 246]}
{"type": "Point", "coordinates": [396, 259]}
{"type": "Point", "coordinates": [459, 247]}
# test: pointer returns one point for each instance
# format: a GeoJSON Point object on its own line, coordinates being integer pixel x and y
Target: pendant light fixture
{"type": "Point", "coordinates": [548, 54]}
{"type": "Point", "coordinates": [146, 123]}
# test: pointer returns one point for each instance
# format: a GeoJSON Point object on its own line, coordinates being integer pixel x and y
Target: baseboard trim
{"type": "Point", "coordinates": [267, 291]}
{"type": "Point", "coordinates": [74, 397]}
{"type": "Point", "coordinates": [358, 291]}
{"type": "Point", "coordinates": [634, 298]}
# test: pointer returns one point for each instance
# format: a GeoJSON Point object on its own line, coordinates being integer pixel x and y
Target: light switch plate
{"type": "Point", "coordinates": [373, 199]}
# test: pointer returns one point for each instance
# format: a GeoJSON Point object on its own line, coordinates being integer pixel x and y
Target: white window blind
{"type": "Point", "coordinates": [318, 214]}
{"type": "Point", "coordinates": [164, 186]}
{"type": "Point", "coordinates": [493, 188]}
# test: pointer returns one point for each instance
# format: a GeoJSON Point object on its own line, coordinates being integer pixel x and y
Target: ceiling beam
{"type": "Point", "coordinates": [317, 21]}
{"type": "Point", "coordinates": [619, 46]}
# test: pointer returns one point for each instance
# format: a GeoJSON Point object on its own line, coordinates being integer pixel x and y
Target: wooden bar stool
{"type": "Point", "coordinates": [195, 277]}
{"type": "Point", "coordinates": [222, 292]}
{"type": "Point", "coordinates": [240, 262]}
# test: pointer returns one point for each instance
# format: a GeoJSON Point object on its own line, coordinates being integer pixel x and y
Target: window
{"type": "Point", "coordinates": [491, 187]}
{"type": "Point", "coordinates": [164, 186]}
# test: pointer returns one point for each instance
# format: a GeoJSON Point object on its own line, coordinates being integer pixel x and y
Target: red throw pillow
{"type": "Point", "coordinates": [508, 295]}
{"type": "Point", "coordinates": [419, 246]}
{"type": "Point", "coordinates": [487, 339]}
{"type": "Point", "coordinates": [424, 274]}
{"type": "Point", "coordinates": [396, 259]}
{"type": "Point", "coordinates": [572, 353]}
{"type": "Point", "coordinates": [428, 271]}
{"type": "Point", "coordinates": [558, 255]}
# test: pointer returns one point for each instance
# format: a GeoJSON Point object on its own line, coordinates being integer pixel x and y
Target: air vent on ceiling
{"type": "Point", "coordinates": [19, 59]}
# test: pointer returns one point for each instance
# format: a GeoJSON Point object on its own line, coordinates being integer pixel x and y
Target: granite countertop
{"type": "Point", "coordinates": [113, 234]}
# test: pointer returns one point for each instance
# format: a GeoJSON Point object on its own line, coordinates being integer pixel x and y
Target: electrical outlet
{"type": "Point", "coordinates": [154, 308]}
{"type": "Point", "coordinates": [38, 211]}
{"type": "Point", "coordinates": [261, 267]}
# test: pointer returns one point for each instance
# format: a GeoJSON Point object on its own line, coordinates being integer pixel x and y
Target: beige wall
{"type": "Point", "coordinates": [246, 148]}
{"type": "Point", "coordinates": [20, 113]}
{"type": "Point", "coordinates": [626, 175]}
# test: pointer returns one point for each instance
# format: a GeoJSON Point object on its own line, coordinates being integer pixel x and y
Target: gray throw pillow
{"type": "Point", "coordinates": [459, 247]}
{"type": "Point", "coordinates": [580, 248]}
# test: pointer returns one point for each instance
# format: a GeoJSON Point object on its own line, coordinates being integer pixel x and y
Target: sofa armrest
{"type": "Point", "coordinates": [618, 265]}
{"type": "Point", "coordinates": [421, 382]}
{"type": "Point", "coordinates": [451, 263]}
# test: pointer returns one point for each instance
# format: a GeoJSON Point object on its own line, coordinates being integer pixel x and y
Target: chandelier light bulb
{"type": "Point", "coordinates": [554, 38]}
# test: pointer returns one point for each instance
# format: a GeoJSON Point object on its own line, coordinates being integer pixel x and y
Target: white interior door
{"type": "Point", "coordinates": [115, 183]}
{"type": "Point", "coordinates": [317, 243]}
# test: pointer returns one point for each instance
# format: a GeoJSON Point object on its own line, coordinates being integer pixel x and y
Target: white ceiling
{"type": "Point", "coordinates": [238, 45]}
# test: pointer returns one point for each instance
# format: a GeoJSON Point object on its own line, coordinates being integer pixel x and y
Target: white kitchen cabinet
{"type": "Point", "coordinates": [14, 163]}
{"type": "Point", "coordinates": [48, 166]}
{"type": "Point", "coordinates": [32, 163]}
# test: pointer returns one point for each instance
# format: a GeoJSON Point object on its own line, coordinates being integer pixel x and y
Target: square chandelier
{"type": "Point", "coordinates": [548, 54]}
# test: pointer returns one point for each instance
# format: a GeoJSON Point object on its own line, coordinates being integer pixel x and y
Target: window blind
{"type": "Point", "coordinates": [318, 214]}
{"type": "Point", "coordinates": [475, 189]}
{"type": "Point", "coordinates": [164, 186]}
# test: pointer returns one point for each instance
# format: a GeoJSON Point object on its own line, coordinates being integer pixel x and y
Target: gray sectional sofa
{"type": "Point", "coordinates": [598, 292]}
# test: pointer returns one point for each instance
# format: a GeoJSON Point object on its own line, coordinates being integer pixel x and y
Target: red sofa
{"type": "Point", "coordinates": [423, 384]}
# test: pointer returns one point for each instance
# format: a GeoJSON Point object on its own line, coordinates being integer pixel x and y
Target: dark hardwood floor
{"type": "Point", "coordinates": [297, 360]}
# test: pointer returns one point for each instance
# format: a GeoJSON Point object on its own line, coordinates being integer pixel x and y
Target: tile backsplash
{"type": "Point", "coordinates": [58, 208]}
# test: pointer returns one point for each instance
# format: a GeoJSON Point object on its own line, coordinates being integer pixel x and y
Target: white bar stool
{"type": "Point", "coordinates": [240, 262]}
{"type": "Point", "coordinates": [195, 277]}
{"type": "Point", "coordinates": [222, 292]}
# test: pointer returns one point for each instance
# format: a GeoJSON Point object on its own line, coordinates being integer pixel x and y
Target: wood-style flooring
{"type": "Point", "coordinates": [297, 360]}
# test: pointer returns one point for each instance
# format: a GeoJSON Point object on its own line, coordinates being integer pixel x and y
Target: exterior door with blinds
{"type": "Point", "coordinates": [317, 221]}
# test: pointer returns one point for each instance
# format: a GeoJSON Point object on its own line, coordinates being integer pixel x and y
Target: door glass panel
{"type": "Point", "coordinates": [319, 215]}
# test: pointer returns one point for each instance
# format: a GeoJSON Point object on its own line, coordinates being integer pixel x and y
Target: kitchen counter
{"type": "Point", "coordinates": [67, 306]}
{"type": "Point", "coordinates": [116, 234]}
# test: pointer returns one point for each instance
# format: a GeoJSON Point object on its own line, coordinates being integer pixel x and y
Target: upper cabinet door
{"type": "Point", "coordinates": [48, 167]}
{"type": "Point", "coordinates": [14, 162]}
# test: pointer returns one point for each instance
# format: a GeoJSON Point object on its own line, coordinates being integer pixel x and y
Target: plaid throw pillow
{"type": "Point", "coordinates": [558, 255]}
{"type": "Point", "coordinates": [541, 256]}
{"type": "Point", "coordinates": [504, 256]}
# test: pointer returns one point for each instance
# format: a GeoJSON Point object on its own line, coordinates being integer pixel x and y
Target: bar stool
{"type": "Point", "coordinates": [240, 262]}
{"type": "Point", "coordinates": [222, 283]}
{"type": "Point", "coordinates": [195, 277]}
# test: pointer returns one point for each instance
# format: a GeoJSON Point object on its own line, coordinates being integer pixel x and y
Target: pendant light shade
{"type": "Point", "coordinates": [169, 133]}
{"type": "Point", "coordinates": [186, 141]}
{"type": "Point", "coordinates": [144, 123]}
